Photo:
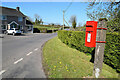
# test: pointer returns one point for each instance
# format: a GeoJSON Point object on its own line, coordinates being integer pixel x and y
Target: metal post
{"type": "Point", "coordinates": [63, 19]}
{"type": "Point", "coordinates": [99, 50]}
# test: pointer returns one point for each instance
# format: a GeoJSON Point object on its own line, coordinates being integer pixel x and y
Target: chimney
{"type": "Point", "coordinates": [18, 8]}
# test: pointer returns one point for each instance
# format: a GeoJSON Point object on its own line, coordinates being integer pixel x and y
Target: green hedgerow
{"type": "Point", "coordinates": [76, 39]}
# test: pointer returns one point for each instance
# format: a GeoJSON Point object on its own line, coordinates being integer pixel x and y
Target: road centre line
{"type": "Point", "coordinates": [18, 61]}
{"type": "Point", "coordinates": [1, 72]}
{"type": "Point", "coordinates": [36, 49]}
{"type": "Point", "coordinates": [29, 53]}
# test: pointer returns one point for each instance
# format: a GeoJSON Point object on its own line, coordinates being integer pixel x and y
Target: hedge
{"type": "Point", "coordinates": [112, 50]}
{"type": "Point", "coordinates": [41, 30]}
{"type": "Point", "coordinates": [76, 39]}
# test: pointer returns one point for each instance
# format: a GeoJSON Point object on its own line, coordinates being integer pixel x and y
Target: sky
{"type": "Point", "coordinates": [52, 12]}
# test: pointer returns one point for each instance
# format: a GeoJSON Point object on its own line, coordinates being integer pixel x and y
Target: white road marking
{"type": "Point", "coordinates": [36, 49]}
{"type": "Point", "coordinates": [1, 72]}
{"type": "Point", "coordinates": [18, 61]}
{"type": "Point", "coordinates": [29, 53]}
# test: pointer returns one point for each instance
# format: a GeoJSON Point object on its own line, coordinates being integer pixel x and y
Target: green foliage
{"type": "Point", "coordinates": [73, 21]}
{"type": "Point", "coordinates": [43, 30]}
{"type": "Point", "coordinates": [36, 21]}
{"type": "Point", "coordinates": [80, 28]}
{"type": "Point", "coordinates": [95, 11]}
{"type": "Point", "coordinates": [76, 39]}
{"type": "Point", "coordinates": [112, 51]}
{"type": "Point", "coordinates": [46, 26]}
{"type": "Point", "coordinates": [74, 24]}
{"type": "Point", "coordinates": [113, 25]}
{"type": "Point", "coordinates": [111, 11]}
{"type": "Point", "coordinates": [60, 61]}
{"type": "Point", "coordinates": [103, 19]}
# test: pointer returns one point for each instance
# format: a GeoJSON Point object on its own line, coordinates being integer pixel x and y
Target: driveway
{"type": "Point", "coordinates": [22, 55]}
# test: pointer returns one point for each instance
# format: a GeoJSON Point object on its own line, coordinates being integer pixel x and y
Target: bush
{"type": "Point", "coordinates": [112, 50]}
{"type": "Point", "coordinates": [39, 30]}
{"type": "Point", "coordinates": [35, 30]}
{"type": "Point", "coordinates": [76, 39]}
{"type": "Point", "coordinates": [43, 30]}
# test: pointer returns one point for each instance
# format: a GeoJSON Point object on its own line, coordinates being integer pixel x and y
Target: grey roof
{"type": "Point", "coordinates": [10, 12]}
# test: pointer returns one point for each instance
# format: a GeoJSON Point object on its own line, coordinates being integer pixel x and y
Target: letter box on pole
{"type": "Point", "coordinates": [90, 36]}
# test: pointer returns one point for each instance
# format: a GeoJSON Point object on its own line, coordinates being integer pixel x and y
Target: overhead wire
{"type": "Point", "coordinates": [67, 9]}
{"type": "Point", "coordinates": [69, 6]}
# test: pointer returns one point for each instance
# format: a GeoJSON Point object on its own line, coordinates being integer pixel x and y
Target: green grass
{"type": "Point", "coordinates": [48, 28]}
{"type": "Point", "coordinates": [60, 61]}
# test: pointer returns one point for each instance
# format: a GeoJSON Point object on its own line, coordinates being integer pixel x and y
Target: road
{"type": "Point", "coordinates": [22, 55]}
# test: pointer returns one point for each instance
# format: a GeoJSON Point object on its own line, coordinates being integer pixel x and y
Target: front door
{"type": "Point", "coordinates": [13, 25]}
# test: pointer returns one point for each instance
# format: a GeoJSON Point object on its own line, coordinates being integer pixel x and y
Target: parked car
{"type": "Point", "coordinates": [13, 31]}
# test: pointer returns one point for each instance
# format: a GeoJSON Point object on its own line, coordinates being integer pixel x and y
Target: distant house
{"type": "Point", "coordinates": [13, 18]}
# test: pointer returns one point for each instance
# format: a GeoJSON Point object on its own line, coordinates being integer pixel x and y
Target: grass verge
{"type": "Point", "coordinates": [48, 28]}
{"type": "Point", "coordinates": [60, 61]}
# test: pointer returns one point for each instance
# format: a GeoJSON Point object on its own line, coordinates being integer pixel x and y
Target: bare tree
{"type": "Point", "coordinates": [97, 10]}
{"type": "Point", "coordinates": [73, 21]}
{"type": "Point", "coordinates": [37, 16]}
{"type": "Point", "coordinates": [109, 10]}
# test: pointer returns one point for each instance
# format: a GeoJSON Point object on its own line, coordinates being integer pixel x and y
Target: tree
{"type": "Point", "coordinates": [36, 21]}
{"type": "Point", "coordinates": [109, 10]}
{"type": "Point", "coordinates": [52, 24]}
{"type": "Point", "coordinates": [41, 22]}
{"type": "Point", "coordinates": [37, 18]}
{"type": "Point", "coordinates": [73, 21]}
{"type": "Point", "coordinates": [96, 10]}
{"type": "Point", "coordinates": [114, 24]}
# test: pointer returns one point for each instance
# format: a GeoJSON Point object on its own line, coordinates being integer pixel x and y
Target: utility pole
{"type": "Point", "coordinates": [99, 50]}
{"type": "Point", "coordinates": [63, 19]}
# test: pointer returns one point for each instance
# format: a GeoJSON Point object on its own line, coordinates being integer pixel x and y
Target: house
{"type": "Point", "coordinates": [14, 18]}
{"type": "Point", "coordinates": [29, 26]}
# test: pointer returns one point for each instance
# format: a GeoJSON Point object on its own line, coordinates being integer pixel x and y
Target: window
{"type": "Point", "coordinates": [3, 27]}
{"type": "Point", "coordinates": [21, 27]}
{"type": "Point", "coordinates": [20, 18]}
{"type": "Point", "coordinates": [13, 25]}
{"type": "Point", "coordinates": [11, 29]}
{"type": "Point", "coordinates": [3, 17]}
{"type": "Point", "coordinates": [29, 27]}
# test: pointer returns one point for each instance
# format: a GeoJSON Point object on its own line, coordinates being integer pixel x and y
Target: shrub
{"type": "Point", "coordinates": [35, 30]}
{"type": "Point", "coordinates": [76, 39]}
{"type": "Point", "coordinates": [43, 30]}
{"type": "Point", "coordinates": [112, 50]}
{"type": "Point", "coordinates": [39, 30]}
